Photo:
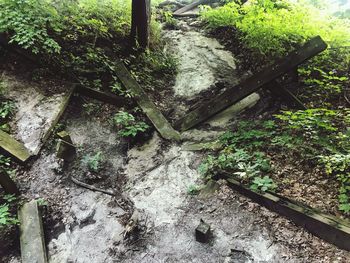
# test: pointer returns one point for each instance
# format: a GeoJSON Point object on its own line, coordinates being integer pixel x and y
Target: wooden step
{"type": "Point", "coordinates": [13, 148]}
{"type": "Point", "coordinates": [32, 234]}
{"type": "Point", "coordinates": [148, 107]}
{"type": "Point", "coordinates": [252, 84]}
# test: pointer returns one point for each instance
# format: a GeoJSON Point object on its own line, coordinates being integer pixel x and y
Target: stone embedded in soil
{"type": "Point", "coordinates": [202, 62]}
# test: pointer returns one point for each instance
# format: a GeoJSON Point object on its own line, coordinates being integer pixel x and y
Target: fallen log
{"type": "Point", "coordinates": [101, 96]}
{"type": "Point", "coordinates": [13, 148]}
{"type": "Point", "coordinates": [327, 227]}
{"type": "Point", "coordinates": [32, 234]}
{"type": "Point", "coordinates": [252, 84]}
{"type": "Point", "coordinates": [148, 107]}
{"type": "Point", "coordinates": [189, 7]}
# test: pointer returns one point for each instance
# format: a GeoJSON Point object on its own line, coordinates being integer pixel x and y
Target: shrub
{"type": "Point", "coordinates": [129, 126]}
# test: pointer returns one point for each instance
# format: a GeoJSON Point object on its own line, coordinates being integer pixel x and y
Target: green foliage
{"type": "Point", "coordinates": [193, 190]}
{"type": "Point", "coordinates": [91, 108]}
{"type": "Point", "coordinates": [263, 184]}
{"type": "Point", "coordinates": [239, 162]}
{"type": "Point", "coordinates": [273, 28]}
{"type": "Point", "coordinates": [28, 22]}
{"type": "Point", "coordinates": [41, 25]}
{"type": "Point", "coordinates": [7, 218]}
{"type": "Point", "coordinates": [168, 19]}
{"type": "Point", "coordinates": [6, 109]}
{"type": "Point", "coordinates": [129, 126]}
{"type": "Point", "coordinates": [93, 162]}
{"type": "Point", "coordinates": [339, 166]}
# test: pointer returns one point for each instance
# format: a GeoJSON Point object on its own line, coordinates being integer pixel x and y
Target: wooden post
{"type": "Point", "coordinates": [8, 184]}
{"type": "Point", "coordinates": [140, 20]}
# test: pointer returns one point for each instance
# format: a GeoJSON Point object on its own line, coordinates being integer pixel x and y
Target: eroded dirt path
{"type": "Point", "coordinates": [154, 179]}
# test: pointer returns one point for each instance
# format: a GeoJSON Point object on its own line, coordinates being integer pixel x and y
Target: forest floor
{"type": "Point", "coordinates": [154, 178]}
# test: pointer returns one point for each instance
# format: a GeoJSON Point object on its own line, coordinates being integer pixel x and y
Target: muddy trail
{"type": "Point", "coordinates": [152, 182]}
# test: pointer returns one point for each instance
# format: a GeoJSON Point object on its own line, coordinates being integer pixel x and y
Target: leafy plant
{"type": "Point", "coordinates": [339, 166]}
{"type": "Point", "coordinates": [128, 124]}
{"type": "Point", "coordinates": [193, 190]}
{"type": "Point", "coordinates": [93, 162]}
{"type": "Point", "coordinates": [6, 109]}
{"type": "Point", "coordinates": [263, 184]}
{"type": "Point", "coordinates": [6, 216]}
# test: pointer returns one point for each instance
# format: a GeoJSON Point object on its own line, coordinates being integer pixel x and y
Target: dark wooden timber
{"type": "Point", "coordinates": [13, 148]}
{"type": "Point", "coordinates": [7, 183]}
{"type": "Point", "coordinates": [32, 238]}
{"type": "Point", "coordinates": [140, 20]}
{"type": "Point", "coordinates": [101, 96]}
{"type": "Point", "coordinates": [189, 7]}
{"type": "Point", "coordinates": [148, 107]}
{"type": "Point", "coordinates": [62, 109]}
{"type": "Point", "coordinates": [252, 84]}
{"type": "Point", "coordinates": [330, 228]}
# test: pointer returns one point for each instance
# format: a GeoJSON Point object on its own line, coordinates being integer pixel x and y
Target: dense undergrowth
{"type": "Point", "coordinates": [319, 136]}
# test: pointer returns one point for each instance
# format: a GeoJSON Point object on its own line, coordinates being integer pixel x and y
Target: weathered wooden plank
{"type": "Point", "coordinates": [32, 234]}
{"type": "Point", "coordinates": [252, 84]}
{"type": "Point", "coordinates": [327, 227]}
{"type": "Point", "coordinates": [7, 183]}
{"type": "Point", "coordinates": [100, 95]}
{"type": "Point", "coordinates": [189, 7]}
{"type": "Point", "coordinates": [156, 117]}
{"type": "Point", "coordinates": [13, 148]}
{"type": "Point", "coordinates": [63, 107]}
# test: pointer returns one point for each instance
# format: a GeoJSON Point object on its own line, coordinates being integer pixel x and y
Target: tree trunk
{"type": "Point", "coordinates": [140, 22]}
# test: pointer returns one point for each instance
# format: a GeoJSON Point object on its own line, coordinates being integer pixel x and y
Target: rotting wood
{"type": "Point", "coordinates": [101, 96]}
{"type": "Point", "coordinates": [202, 232]}
{"type": "Point", "coordinates": [32, 239]}
{"type": "Point", "coordinates": [188, 14]}
{"type": "Point", "coordinates": [62, 109]}
{"type": "Point", "coordinates": [13, 148]}
{"type": "Point", "coordinates": [252, 84]}
{"type": "Point", "coordinates": [91, 187]}
{"type": "Point", "coordinates": [189, 7]}
{"type": "Point", "coordinates": [148, 107]}
{"type": "Point", "coordinates": [327, 227]}
{"type": "Point", "coordinates": [7, 183]}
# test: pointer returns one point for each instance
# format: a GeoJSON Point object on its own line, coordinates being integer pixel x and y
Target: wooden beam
{"type": "Point", "coordinates": [101, 96]}
{"type": "Point", "coordinates": [7, 183]}
{"type": "Point", "coordinates": [189, 7]}
{"type": "Point", "coordinates": [32, 238]}
{"type": "Point", "coordinates": [62, 109]}
{"type": "Point", "coordinates": [148, 107]}
{"type": "Point", "coordinates": [330, 228]}
{"type": "Point", "coordinates": [252, 84]}
{"type": "Point", "coordinates": [13, 148]}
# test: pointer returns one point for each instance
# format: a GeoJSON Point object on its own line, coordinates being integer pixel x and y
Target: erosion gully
{"type": "Point", "coordinates": [152, 181]}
